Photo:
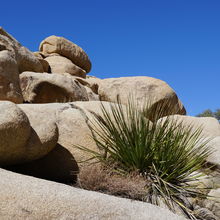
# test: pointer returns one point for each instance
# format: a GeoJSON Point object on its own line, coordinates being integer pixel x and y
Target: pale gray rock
{"type": "Point", "coordinates": [214, 157]}
{"type": "Point", "coordinates": [210, 126]}
{"type": "Point", "coordinates": [24, 197]}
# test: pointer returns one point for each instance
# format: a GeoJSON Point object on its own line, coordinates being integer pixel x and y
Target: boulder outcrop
{"type": "Point", "coordinates": [41, 140]}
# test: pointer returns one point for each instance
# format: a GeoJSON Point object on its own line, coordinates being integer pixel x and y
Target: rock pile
{"type": "Point", "coordinates": [46, 101]}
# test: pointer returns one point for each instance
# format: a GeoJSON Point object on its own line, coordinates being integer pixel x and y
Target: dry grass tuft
{"type": "Point", "coordinates": [97, 178]}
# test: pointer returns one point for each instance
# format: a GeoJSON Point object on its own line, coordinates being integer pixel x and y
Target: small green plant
{"type": "Point", "coordinates": [167, 154]}
{"type": "Point", "coordinates": [209, 113]}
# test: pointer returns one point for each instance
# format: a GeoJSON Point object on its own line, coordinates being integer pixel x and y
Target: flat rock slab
{"type": "Point", "coordinates": [24, 197]}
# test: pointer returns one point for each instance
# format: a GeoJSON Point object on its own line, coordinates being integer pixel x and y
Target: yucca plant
{"type": "Point", "coordinates": [166, 153]}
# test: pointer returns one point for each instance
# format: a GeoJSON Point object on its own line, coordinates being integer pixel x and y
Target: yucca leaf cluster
{"type": "Point", "coordinates": [165, 152]}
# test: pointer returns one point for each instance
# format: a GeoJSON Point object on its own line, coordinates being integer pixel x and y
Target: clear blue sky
{"type": "Point", "coordinates": [174, 40]}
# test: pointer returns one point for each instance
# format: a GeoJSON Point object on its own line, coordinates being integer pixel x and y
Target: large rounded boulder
{"type": "Point", "coordinates": [15, 131]}
{"type": "Point", "coordinates": [24, 137]}
{"type": "Point", "coordinates": [145, 91]}
{"type": "Point", "coordinates": [66, 48]}
{"type": "Point", "coordinates": [44, 134]}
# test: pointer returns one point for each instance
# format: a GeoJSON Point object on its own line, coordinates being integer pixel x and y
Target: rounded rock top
{"type": "Point", "coordinates": [66, 48]}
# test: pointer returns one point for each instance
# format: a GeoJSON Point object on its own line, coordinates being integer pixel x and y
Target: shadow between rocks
{"type": "Point", "coordinates": [59, 166]}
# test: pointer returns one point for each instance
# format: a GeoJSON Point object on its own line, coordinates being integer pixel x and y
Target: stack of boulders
{"type": "Point", "coordinates": [47, 101]}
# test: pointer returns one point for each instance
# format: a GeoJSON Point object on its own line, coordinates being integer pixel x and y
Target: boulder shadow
{"type": "Point", "coordinates": [59, 165]}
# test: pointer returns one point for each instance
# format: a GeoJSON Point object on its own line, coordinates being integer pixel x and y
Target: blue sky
{"type": "Point", "coordinates": [177, 41]}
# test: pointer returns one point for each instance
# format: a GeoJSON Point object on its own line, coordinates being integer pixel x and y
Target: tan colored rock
{"type": "Point", "coordinates": [72, 120]}
{"type": "Point", "coordinates": [91, 87]}
{"type": "Point", "coordinates": [59, 64]}
{"type": "Point", "coordinates": [24, 197]}
{"type": "Point", "coordinates": [24, 137]}
{"type": "Point", "coordinates": [46, 88]}
{"type": "Point", "coordinates": [44, 63]}
{"type": "Point", "coordinates": [28, 62]}
{"type": "Point", "coordinates": [39, 54]}
{"type": "Point", "coordinates": [58, 165]}
{"type": "Point", "coordinates": [74, 130]}
{"type": "Point", "coordinates": [14, 133]}
{"type": "Point", "coordinates": [44, 133]}
{"type": "Point", "coordinates": [9, 78]}
{"type": "Point", "coordinates": [68, 121]}
{"type": "Point", "coordinates": [25, 59]}
{"type": "Point", "coordinates": [66, 48]}
{"type": "Point", "coordinates": [93, 82]}
{"type": "Point", "coordinates": [210, 126]}
{"type": "Point", "coordinates": [72, 125]}
{"type": "Point", "coordinates": [91, 90]}
{"type": "Point", "coordinates": [143, 89]}
{"type": "Point", "coordinates": [91, 95]}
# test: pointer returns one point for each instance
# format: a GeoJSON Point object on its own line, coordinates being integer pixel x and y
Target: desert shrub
{"type": "Point", "coordinates": [168, 155]}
